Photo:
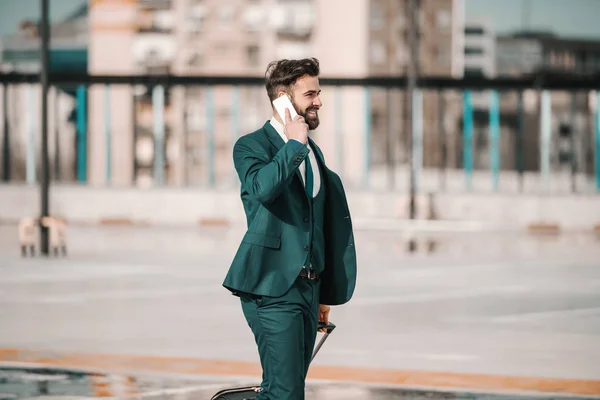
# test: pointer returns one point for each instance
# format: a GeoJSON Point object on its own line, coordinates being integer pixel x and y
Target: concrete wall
{"type": "Point", "coordinates": [386, 210]}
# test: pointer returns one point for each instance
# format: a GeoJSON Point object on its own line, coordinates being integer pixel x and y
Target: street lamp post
{"type": "Point", "coordinates": [413, 39]}
{"type": "Point", "coordinates": [45, 165]}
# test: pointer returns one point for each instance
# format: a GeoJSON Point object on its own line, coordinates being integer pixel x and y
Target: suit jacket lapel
{"type": "Point", "coordinates": [273, 136]}
{"type": "Point", "coordinates": [319, 157]}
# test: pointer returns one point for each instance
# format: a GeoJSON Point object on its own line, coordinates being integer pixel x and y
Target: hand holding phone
{"type": "Point", "coordinates": [295, 128]}
{"type": "Point", "coordinates": [283, 103]}
{"type": "Point", "coordinates": [294, 125]}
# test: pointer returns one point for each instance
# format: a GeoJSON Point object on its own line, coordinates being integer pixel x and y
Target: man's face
{"type": "Point", "coordinates": [305, 99]}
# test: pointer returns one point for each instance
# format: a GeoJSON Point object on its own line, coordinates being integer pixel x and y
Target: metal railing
{"type": "Point", "coordinates": [535, 133]}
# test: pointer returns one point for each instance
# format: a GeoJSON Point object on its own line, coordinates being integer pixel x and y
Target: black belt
{"type": "Point", "coordinates": [308, 274]}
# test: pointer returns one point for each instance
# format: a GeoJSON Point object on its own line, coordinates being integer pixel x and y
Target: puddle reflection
{"type": "Point", "coordinates": [56, 383]}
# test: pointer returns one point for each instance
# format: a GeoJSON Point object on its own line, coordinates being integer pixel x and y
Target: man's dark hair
{"type": "Point", "coordinates": [282, 74]}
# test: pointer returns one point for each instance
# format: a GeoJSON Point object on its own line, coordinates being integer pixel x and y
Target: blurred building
{"type": "Point", "coordinates": [518, 55]}
{"type": "Point", "coordinates": [524, 53]}
{"type": "Point", "coordinates": [68, 45]}
{"type": "Point", "coordinates": [208, 37]}
{"type": "Point", "coordinates": [240, 37]}
{"type": "Point", "coordinates": [480, 48]}
{"type": "Point", "coordinates": [440, 42]}
{"type": "Point", "coordinates": [480, 61]}
{"type": "Point", "coordinates": [20, 53]}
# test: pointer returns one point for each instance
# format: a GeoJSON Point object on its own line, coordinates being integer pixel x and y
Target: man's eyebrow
{"type": "Point", "coordinates": [312, 91]}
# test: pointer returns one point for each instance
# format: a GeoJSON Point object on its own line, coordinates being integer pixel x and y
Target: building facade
{"type": "Point", "coordinates": [182, 136]}
{"type": "Point", "coordinates": [440, 42]}
{"type": "Point", "coordinates": [208, 37]}
{"type": "Point", "coordinates": [525, 53]}
{"type": "Point", "coordinates": [480, 48]}
{"type": "Point", "coordinates": [20, 53]}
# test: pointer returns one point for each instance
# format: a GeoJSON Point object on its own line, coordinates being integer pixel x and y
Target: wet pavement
{"type": "Point", "coordinates": [56, 383]}
{"type": "Point", "coordinates": [454, 315]}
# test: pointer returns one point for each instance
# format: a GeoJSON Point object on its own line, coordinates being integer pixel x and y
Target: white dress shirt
{"type": "Point", "coordinates": [311, 157]}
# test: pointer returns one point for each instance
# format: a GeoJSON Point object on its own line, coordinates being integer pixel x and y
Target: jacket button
{"type": "Point", "coordinates": [306, 248]}
{"type": "Point", "coordinates": [306, 219]}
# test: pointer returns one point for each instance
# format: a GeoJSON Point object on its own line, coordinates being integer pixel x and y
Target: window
{"type": "Point", "coordinates": [443, 56]}
{"type": "Point", "coordinates": [473, 51]}
{"type": "Point", "coordinates": [294, 18]}
{"type": "Point", "coordinates": [378, 52]}
{"type": "Point", "coordinates": [164, 21]}
{"type": "Point", "coordinates": [376, 119]}
{"type": "Point", "coordinates": [402, 54]}
{"type": "Point", "coordinates": [474, 30]}
{"type": "Point", "coordinates": [195, 59]}
{"type": "Point", "coordinates": [226, 16]}
{"type": "Point", "coordinates": [195, 19]}
{"type": "Point", "coordinates": [253, 55]}
{"type": "Point", "coordinates": [444, 20]}
{"type": "Point", "coordinates": [254, 18]}
{"type": "Point", "coordinates": [293, 50]}
{"type": "Point", "coordinates": [474, 71]}
{"type": "Point", "coordinates": [377, 17]}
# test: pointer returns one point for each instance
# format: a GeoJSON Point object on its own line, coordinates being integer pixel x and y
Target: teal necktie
{"type": "Point", "coordinates": [309, 177]}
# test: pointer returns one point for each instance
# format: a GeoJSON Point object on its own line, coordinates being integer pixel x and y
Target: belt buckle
{"type": "Point", "coordinates": [309, 273]}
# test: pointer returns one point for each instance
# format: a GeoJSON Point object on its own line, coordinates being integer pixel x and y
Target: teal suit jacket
{"type": "Point", "coordinates": [274, 248]}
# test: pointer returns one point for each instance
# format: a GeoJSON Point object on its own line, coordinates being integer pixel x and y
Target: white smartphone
{"type": "Point", "coordinates": [281, 103]}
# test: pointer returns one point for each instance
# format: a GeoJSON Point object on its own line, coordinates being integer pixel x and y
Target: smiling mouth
{"type": "Point", "coordinates": [312, 113]}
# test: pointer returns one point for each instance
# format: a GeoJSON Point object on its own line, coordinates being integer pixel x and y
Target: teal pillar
{"type": "Point", "coordinates": [6, 156]}
{"type": "Point", "coordinates": [468, 137]}
{"type": "Point", "coordinates": [81, 134]}
{"type": "Point", "coordinates": [495, 138]}
{"type": "Point", "coordinates": [597, 143]}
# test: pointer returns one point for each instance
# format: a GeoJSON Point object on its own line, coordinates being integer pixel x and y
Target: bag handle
{"type": "Point", "coordinates": [329, 328]}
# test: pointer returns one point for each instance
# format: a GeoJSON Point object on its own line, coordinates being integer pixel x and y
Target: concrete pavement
{"type": "Point", "coordinates": [487, 311]}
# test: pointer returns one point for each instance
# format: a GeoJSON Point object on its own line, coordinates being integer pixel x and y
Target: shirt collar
{"type": "Point", "coordinates": [279, 128]}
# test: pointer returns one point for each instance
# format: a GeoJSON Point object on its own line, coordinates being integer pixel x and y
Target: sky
{"type": "Point", "coordinates": [572, 18]}
{"type": "Point", "coordinates": [13, 12]}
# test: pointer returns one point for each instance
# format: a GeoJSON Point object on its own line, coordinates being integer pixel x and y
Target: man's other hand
{"type": "Point", "coordinates": [324, 315]}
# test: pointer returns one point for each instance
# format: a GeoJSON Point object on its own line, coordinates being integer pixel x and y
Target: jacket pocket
{"type": "Point", "coordinates": [261, 239]}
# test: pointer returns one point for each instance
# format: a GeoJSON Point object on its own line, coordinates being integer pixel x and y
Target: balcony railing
{"type": "Point", "coordinates": [539, 133]}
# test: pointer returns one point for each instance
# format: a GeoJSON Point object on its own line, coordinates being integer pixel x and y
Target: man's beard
{"type": "Point", "coordinates": [312, 122]}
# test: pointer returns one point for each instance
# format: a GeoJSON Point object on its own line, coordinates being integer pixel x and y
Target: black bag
{"type": "Point", "coordinates": [250, 392]}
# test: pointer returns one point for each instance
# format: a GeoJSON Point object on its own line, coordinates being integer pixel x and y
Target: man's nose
{"type": "Point", "coordinates": [317, 102]}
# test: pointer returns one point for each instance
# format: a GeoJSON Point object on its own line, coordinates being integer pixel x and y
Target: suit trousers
{"type": "Point", "coordinates": [285, 330]}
